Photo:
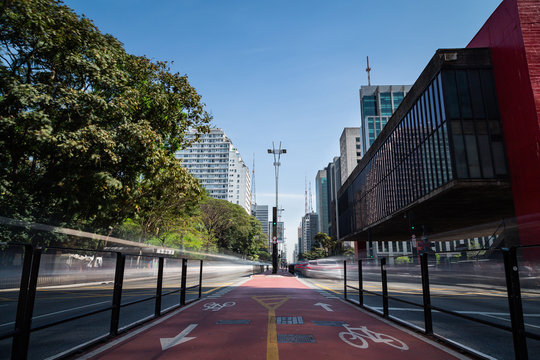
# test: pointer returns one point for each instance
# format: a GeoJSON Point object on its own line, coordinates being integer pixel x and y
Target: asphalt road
{"type": "Point", "coordinates": [55, 303]}
{"type": "Point", "coordinates": [484, 301]}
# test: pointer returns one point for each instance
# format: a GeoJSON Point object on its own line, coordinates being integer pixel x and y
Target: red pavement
{"type": "Point", "coordinates": [201, 337]}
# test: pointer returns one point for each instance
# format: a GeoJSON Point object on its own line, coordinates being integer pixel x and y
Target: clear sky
{"type": "Point", "coordinates": [288, 70]}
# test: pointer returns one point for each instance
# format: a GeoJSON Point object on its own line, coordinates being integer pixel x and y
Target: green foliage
{"type": "Point", "coordinates": [328, 244]}
{"type": "Point", "coordinates": [231, 227]}
{"type": "Point", "coordinates": [264, 255]}
{"type": "Point", "coordinates": [402, 260]}
{"type": "Point", "coordinates": [87, 131]}
{"type": "Point", "coordinates": [315, 253]}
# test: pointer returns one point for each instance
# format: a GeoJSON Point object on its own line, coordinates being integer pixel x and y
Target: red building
{"type": "Point", "coordinates": [513, 34]}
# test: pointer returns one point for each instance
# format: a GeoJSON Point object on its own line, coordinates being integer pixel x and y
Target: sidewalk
{"type": "Point", "coordinates": [271, 317]}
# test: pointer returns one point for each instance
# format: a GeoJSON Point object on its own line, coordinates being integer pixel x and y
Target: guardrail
{"type": "Point", "coordinates": [517, 326]}
{"type": "Point", "coordinates": [31, 260]}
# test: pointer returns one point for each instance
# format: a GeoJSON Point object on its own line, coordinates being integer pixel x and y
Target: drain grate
{"type": "Point", "coordinates": [289, 320]}
{"type": "Point", "coordinates": [295, 338]}
{"type": "Point", "coordinates": [328, 323]}
{"type": "Point", "coordinates": [233, 322]}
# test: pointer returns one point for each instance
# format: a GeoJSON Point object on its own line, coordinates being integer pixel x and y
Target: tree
{"type": "Point", "coordinates": [327, 243]}
{"type": "Point", "coordinates": [84, 126]}
{"type": "Point", "coordinates": [216, 218]}
{"type": "Point", "coordinates": [166, 202]}
{"type": "Point", "coordinates": [231, 227]}
{"type": "Point", "coordinates": [315, 253]}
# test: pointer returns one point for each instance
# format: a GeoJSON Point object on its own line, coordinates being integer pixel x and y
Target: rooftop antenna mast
{"type": "Point", "coordinates": [310, 199]}
{"type": "Point", "coordinates": [253, 193]}
{"type": "Point", "coordinates": [306, 196]}
{"type": "Point", "coordinates": [368, 70]}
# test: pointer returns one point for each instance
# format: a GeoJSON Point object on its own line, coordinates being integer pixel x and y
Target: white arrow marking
{"type": "Point", "coordinates": [167, 343]}
{"type": "Point", "coordinates": [325, 306]}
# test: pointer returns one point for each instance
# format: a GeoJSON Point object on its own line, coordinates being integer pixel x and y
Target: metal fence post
{"type": "Point", "coordinates": [428, 320]}
{"type": "Point", "coordinates": [117, 293]}
{"type": "Point", "coordinates": [514, 303]}
{"type": "Point", "coordinates": [159, 288]}
{"type": "Point", "coordinates": [345, 279]}
{"type": "Point", "coordinates": [384, 287]}
{"type": "Point", "coordinates": [183, 283]}
{"type": "Point", "coordinates": [360, 284]}
{"type": "Point", "coordinates": [200, 280]}
{"type": "Point", "coordinates": [23, 323]}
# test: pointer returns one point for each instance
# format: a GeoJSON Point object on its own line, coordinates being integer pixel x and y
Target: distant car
{"type": "Point", "coordinates": [300, 266]}
{"type": "Point", "coordinates": [324, 268]}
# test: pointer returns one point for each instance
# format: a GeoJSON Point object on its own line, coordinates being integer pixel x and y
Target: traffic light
{"type": "Point", "coordinates": [274, 221]}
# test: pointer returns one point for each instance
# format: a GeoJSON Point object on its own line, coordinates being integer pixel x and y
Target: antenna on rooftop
{"type": "Point", "coordinates": [368, 70]}
{"type": "Point", "coordinates": [310, 199]}
{"type": "Point", "coordinates": [306, 196]}
{"type": "Point", "coordinates": [253, 193]}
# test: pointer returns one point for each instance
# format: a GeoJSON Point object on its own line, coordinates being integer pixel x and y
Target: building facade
{"type": "Point", "coordinates": [511, 34]}
{"type": "Point", "coordinates": [350, 150]}
{"type": "Point", "coordinates": [377, 104]}
{"type": "Point", "coordinates": [261, 213]}
{"type": "Point", "coordinates": [333, 181]}
{"type": "Point", "coordinates": [321, 200]}
{"type": "Point", "coordinates": [439, 164]}
{"type": "Point", "coordinates": [310, 228]}
{"type": "Point", "coordinates": [218, 165]}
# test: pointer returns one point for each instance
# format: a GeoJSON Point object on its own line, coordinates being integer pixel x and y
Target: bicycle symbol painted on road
{"type": "Point", "coordinates": [216, 307]}
{"type": "Point", "coordinates": [357, 337]}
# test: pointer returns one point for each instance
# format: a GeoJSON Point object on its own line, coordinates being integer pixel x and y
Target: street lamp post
{"type": "Point", "coordinates": [277, 155]}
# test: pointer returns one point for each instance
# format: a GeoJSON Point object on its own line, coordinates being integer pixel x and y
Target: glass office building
{"type": "Point", "coordinates": [447, 132]}
{"type": "Point", "coordinates": [377, 104]}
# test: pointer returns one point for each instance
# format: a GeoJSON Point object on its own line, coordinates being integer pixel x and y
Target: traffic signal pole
{"type": "Point", "coordinates": [274, 241]}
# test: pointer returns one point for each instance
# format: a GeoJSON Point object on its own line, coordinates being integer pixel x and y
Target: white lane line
{"type": "Point", "coordinates": [494, 315]}
{"type": "Point", "coordinates": [59, 312]}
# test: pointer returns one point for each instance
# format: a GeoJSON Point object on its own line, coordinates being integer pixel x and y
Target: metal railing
{"type": "Point", "coordinates": [31, 259]}
{"type": "Point", "coordinates": [513, 293]}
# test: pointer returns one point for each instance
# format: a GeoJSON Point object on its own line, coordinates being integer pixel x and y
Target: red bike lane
{"type": "Point", "coordinates": [272, 317]}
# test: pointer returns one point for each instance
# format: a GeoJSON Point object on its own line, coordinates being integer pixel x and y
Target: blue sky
{"type": "Point", "coordinates": [288, 71]}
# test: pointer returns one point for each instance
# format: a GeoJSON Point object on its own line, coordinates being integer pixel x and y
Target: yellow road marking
{"type": "Point", "coordinates": [271, 303]}
{"type": "Point", "coordinates": [214, 289]}
{"type": "Point", "coordinates": [327, 288]}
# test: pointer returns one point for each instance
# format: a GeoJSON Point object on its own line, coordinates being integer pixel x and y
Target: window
{"type": "Point", "coordinates": [386, 103]}
{"type": "Point", "coordinates": [370, 105]}
{"type": "Point", "coordinates": [398, 97]}
{"type": "Point", "coordinates": [449, 82]}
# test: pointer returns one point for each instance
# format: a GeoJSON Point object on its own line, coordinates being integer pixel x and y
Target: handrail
{"type": "Point", "coordinates": [27, 294]}
{"type": "Point", "coordinates": [517, 327]}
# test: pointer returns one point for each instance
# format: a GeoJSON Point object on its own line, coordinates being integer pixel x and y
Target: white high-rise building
{"type": "Point", "coordinates": [350, 151]}
{"type": "Point", "coordinates": [217, 164]}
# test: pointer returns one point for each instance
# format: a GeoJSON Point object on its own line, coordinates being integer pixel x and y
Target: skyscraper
{"type": "Point", "coordinates": [261, 213]}
{"type": "Point", "coordinates": [350, 151]}
{"type": "Point", "coordinates": [217, 164]}
{"type": "Point", "coordinates": [310, 228]}
{"type": "Point", "coordinates": [377, 104]}
{"type": "Point", "coordinates": [333, 183]}
{"type": "Point", "coordinates": [321, 200]}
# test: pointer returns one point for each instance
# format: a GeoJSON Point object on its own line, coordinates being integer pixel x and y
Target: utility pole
{"type": "Point", "coordinates": [277, 155]}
